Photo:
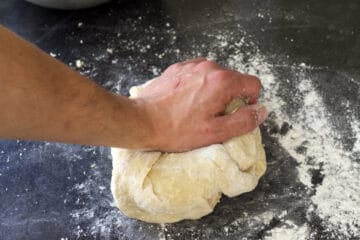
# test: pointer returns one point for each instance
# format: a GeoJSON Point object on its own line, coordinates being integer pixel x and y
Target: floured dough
{"type": "Point", "coordinates": [168, 187]}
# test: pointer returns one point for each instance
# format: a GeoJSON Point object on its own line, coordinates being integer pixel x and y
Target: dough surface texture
{"type": "Point", "coordinates": [161, 187]}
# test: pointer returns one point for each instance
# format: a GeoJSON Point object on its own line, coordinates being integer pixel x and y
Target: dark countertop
{"type": "Point", "coordinates": [62, 191]}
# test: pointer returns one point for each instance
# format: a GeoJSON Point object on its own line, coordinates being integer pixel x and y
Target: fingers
{"type": "Point", "coordinates": [244, 120]}
{"type": "Point", "coordinates": [252, 87]}
{"type": "Point", "coordinates": [228, 82]}
{"type": "Point", "coordinates": [191, 65]}
{"type": "Point", "coordinates": [200, 65]}
{"type": "Point", "coordinates": [235, 84]}
{"type": "Point", "coordinates": [181, 67]}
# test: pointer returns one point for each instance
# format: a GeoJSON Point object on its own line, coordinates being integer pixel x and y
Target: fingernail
{"type": "Point", "coordinates": [261, 114]}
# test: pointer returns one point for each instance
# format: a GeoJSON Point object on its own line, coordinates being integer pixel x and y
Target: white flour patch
{"type": "Point", "coordinates": [288, 231]}
{"type": "Point", "coordinates": [337, 199]}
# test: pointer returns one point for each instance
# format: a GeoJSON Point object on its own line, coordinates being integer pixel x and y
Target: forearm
{"type": "Point", "coordinates": [43, 99]}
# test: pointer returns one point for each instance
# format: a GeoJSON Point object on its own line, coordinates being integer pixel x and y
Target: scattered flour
{"type": "Point", "coordinates": [110, 50]}
{"type": "Point", "coordinates": [337, 199]}
{"type": "Point", "coordinates": [288, 231]}
{"type": "Point", "coordinates": [79, 63]}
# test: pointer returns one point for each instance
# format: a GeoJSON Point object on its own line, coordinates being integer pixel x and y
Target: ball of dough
{"type": "Point", "coordinates": [161, 187]}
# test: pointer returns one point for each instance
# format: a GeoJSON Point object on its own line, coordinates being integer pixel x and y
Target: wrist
{"type": "Point", "coordinates": [130, 123]}
{"type": "Point", "coordinates": [152, 136]}
{"type": "Point", "coordinates": [145, 126]}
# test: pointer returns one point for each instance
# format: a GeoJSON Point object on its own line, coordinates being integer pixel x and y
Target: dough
{"type": "Point", "coordinates": [168, 187]}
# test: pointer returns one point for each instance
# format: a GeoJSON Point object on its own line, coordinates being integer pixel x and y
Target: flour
{"type": "Point", "coordinates": [79, 63]}
{"type": "Point", "coordinates": [288, 231]}
{"type": "Point", "coordinates": [337, 199]}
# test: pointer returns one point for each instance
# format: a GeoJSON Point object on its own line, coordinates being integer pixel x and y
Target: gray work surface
{"type": "Point", "coordinates": [308, 50]}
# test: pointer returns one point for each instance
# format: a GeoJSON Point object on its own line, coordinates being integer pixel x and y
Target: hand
{"type": "Point", "coordinates": [185, 105]}
{"type": "Point", "coordinates": [43, 99]}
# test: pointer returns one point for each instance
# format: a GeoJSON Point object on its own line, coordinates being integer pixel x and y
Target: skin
{"type": "Point", "coordinates": [43, 99]}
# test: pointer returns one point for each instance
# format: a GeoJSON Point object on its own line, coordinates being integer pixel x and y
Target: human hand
{"type": "Point", "coordinates": [185, 105]}
{"type": "Point", "coordinates": [180, 110]}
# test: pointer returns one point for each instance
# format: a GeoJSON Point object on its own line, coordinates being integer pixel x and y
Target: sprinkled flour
{"type": "Point", "coordinates": [289, 230]}
{"type": "Point", "coordinates": [337, 199]}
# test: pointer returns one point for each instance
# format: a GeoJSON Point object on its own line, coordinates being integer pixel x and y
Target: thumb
{"type": "Point", "coordinates": [242, 121]}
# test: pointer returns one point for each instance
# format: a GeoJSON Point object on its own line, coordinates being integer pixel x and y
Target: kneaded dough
{"type": "Point", "coordinates": [162, 187]}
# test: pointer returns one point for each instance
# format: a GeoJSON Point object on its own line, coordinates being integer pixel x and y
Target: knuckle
{"type": "Point", "coordinates": [252, 120]}
{"type": "Point", "coordinates": [218, 130]}
{"type": "Point", "coordinates": [219, 76]}
{"type": "Point", "coordinates": [256, 81]}
{"type": "Point", "coordinates": [208, 130]}
{"type": "Point", "coordinates": [200, 59]}
{"type": "Point", "coordinates": [173, 67]}
{"type": "Point", "coordinates": [176, 65]}
{"type": "Point", "coordinates": [206, 65]}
